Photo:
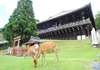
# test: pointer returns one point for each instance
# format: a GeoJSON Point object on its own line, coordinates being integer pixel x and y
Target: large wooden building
{"type": "Point", "coordinates": [68, 25]}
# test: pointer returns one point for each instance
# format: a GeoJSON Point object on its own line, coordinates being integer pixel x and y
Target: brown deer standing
{"type": "Point", "coordinates": [44, 48]}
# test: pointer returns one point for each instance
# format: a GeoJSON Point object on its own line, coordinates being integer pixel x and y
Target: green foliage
{"type": "Point", "coordinates": [21, 23]}
{"type": "Point", "coordinates": [1, 30]}
{"type": "Point", "coordinates": [97, 20]}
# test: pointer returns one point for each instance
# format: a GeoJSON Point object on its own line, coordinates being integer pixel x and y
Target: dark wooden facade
{"type": "Point", "coordinates": [69, 25]}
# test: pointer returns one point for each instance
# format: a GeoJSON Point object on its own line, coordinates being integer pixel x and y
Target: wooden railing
{"type": "Point", "coordinates": [68, 25]}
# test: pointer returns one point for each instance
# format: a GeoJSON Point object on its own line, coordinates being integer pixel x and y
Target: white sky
{"type": "Point", "coordinates": [44, 9]}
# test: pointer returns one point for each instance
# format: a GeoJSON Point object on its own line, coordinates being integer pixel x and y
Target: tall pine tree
{"type": "Point", "coordinates": [22, 22]}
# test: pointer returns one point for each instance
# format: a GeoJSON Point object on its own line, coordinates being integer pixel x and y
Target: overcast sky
{"type": "Point", "coordinates": [44, 9]}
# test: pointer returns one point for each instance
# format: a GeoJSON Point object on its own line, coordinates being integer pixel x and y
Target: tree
{"type": "Point", "coordinates": [97, 20]}
{"type": "Point", "coordinates": [8, 34]}
{"type": "Point", "coordinates": [22, 22]}
{"type": "Point", "coordinates": [1, 30]}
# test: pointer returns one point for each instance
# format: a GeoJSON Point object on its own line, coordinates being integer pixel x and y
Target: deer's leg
{"type": "Point", "coordinates": [43, 58]}
{"type": "Point", "coordinates": [35, 61]}
{"type": "Point", "coordinates": [56, 54]}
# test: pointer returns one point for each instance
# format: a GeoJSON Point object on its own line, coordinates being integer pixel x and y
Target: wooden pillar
{"type": "Point", "coordinates": [50, 35]}
{"type": "Point", "coordinates": [63, 34]}
{"type": "Point", "coordinates": [69, 34]}
{"type": "Point", "coordinates": [54, 34]}
{"type": "Point", "coordinates": [75, 33]}
{"type": "Point", "coordinates": [78, 32]}
{"type": "Point", "coordinates": [71, 31]}
{"type": "Point", "coordinates": [60, 34]}
{"type": "Point", "coordinates": [66, 33]}
{"type": "Point", "coordinates": [57, 35]}
{"type": "Point", "coordinates": [86, 30]}
{"type": "Point", "coordinates": [83, 30]}
{"type": "Point", "coordinates": [18, 43]}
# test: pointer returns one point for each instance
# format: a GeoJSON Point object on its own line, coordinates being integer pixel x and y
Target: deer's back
{"type": "Point", "coordinates": [47, 46]}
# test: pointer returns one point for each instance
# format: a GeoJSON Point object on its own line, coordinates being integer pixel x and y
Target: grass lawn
{"type": "Point", "coordinates": [73, 55]}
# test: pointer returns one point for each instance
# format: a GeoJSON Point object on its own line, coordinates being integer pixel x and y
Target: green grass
{"type": "Point", "coordinates": [73, 55]}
